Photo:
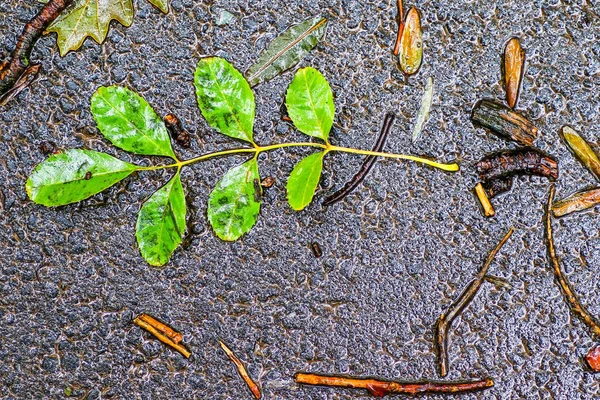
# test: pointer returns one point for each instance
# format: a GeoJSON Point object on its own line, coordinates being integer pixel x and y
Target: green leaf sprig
{"type": "Point", "coordinates": [227, 103]}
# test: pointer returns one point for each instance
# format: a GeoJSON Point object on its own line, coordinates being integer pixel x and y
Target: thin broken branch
{"type": "Point", "coordinates": [241, 370]}
{"type": "Point", "coordinates": [560, 277]}
{"type": "Point", "coordinates": [445, 321]}
{"type": "Point", "coordinates": [400, 27]}
{"type": "Point", "coordinates": [154, 327]}
{"type": "Point", "coordinates": [12, 69]}
{"type": "Point", "coordinates": [381, 388]}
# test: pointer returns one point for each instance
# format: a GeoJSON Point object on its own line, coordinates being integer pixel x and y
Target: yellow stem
{"type": "Point", "coordinates": [327, 147]}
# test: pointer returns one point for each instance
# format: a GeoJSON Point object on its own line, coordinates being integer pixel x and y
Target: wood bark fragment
{"type": "Point", "coordinates": [486, 206]}
{"type": "Point", "coordinates": [504, 122]}
{"type": "Point", "coordinates": [158, 330]}
{"type": "Point", "coordinates": [568, 294]}
{"type": "Point", "coordinates": [582, 150]}
{"type": "Point", "coordinates": [445, 321]}
{"type": "Point", "coordinates": [525, 161]}
{"type": "Point", "coordinates": [12, 69]}
{"type": "Point", "coordinates": [241, 370]}
{"type": "Point", "coordinates": [514, 66]}
{"type": "Point", "coordinates": [494, 187]}
{"type": "Point", "coordinates": [178, 133]}
{"type": "Point", "coordinates": [380, 388]}
{"type": "Point", "coordinates": [366, 166]}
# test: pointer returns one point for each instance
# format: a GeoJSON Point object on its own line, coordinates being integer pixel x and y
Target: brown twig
{"type": "Point", "coordinates": [400, 27]}
{"type": "Point", "coordinates": [241, 370]}
{"type": "Point", "coordinates": [561, 279]}
{"type": "Point", "coordinates": [12, 69]}
{"type": "Point", "coordinates": [26, 79]}
{"type": "Point", "coordinates": [366, 166]}
{"type": "Point", "coordinates": [176, 337]}
{"type": "Point", "coordinates": [445, 321]}
{"type": "Point", "coordinates": [380, 388]}
{"type": "Point", "coordinates": [154, 327]}
{"type": "Point", "coordinates": [486, 206]}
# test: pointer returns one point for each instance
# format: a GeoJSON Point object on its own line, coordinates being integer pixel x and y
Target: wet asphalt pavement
{"type": "Point", "coordinates": [395, 253]}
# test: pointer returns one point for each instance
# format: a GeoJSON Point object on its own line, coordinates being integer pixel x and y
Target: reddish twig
{"type": "Point", "coordinates": [158, 329]}
{"type": "Point", "coordinates": [241, 370]}
{"type": "Point", "coordinates": [380, 388]}
{"type": "Point", "coordinates": [445, 320]}
{"type": "Point", "coordinates": [12, 69]}
{"type": "Point", "coordinates": [400, 27]}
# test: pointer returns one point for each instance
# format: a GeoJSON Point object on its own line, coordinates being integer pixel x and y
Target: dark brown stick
{"type": "Point", "coordinates": [524, 161]}
{"type": "Point", "coordinates": [561, 279]}
{"type": "Point", "coordinates": [18, 62]}
{"type": "Point", "coordinates": [26, 79]}
{"type": "Point", "coordinates": [400, 27]}
{"type": "Point", "coordinates": [445, 321]}
{"type": "Point", "coordinates": [379, 388]}
{"type": "Point", "coordinates": [365, 167]}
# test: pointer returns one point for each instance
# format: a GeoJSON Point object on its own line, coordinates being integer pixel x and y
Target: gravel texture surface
{"type": "Point", "coordinates": [396, 252]}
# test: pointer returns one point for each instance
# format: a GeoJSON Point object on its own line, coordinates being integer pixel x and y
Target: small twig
{"type": "Point", "coordinates": [499, 282]}
{"type": "Point", "coordinates": [12, 69]}
{"type": "Point", "coordinates": [155, 327]}
{"type": "Point", "coordinates": [241, 370]}
{"type": "Point", "coordinates": [561, 279]}
{"type": "Point", "coordinates": [366, 166]}
{"type": "Point", "coordinates": [176, 337]}
{"type": "Point", "coordinates": [400, 27]}
{"type": "Point", "coordinates": [445, 320]}
{"type": "Point", "coordinates": [380, 388]}
{"type": "Point", "coordinates": [487, 207]}
{"type": "Point", "coordinates": [26, 79]}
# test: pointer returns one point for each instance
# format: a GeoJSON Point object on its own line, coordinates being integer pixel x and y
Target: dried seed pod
{"type": "Point", "coordinates": [488, 209]}
{"type": "Point", "coordinates": [267, 182]}
{"type": "Point", "coordinates": [576, 202]}
{"type": "Point", "coordinates": [494, 187]}
{"type": "Point", "coordinates": [527, 161]}
{"type": "Point", "coordinates": [593, 359]}
{"type": "Point", "coordinates": [514, 66]}
{"type": "Point", "coordinates": [316, 249]}
{"type": "Point", "coordinates": [411, 43]}
{"type": "Point", "coordinates": [582, 150]}
{"type": "Point", "coordinates": [504, 122]}
{"type": "Point", "coordinates": [178, 133]}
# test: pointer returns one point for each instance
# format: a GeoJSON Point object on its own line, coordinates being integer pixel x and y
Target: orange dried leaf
{"type": "Point", "coordinates": [514, 62]}
{"type": "Point", "coordinates": [411, 43]}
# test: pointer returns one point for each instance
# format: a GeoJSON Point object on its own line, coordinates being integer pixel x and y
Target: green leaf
{"type": "Point", "coordinates": [225, 98]}
{"type": "Point", "coordinates": [234, 204]}
{"type": "Point", "coordinates": [309, 103]}
{"type": "Point", "coordinates": [303, 181]}
{"type": "Point", "coordinates": [162, 5]}
{"type": "Point", "coordinates": [73, 176]}
{"type": "Point", "coordinates": [89, 18]}
{"type": "Point", "coordinates": [161, 223]}
{"type": "Point", "coordinates": [287, 50]}
{"type": "Point", "coordinates": [128, 121]}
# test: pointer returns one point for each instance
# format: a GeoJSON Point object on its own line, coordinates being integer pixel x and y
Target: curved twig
{"type": "Point", "coordinates": [445, 320]}
{"type": "Point", "coordinates": [13, 68]}
{"type": "Point", "coordinates": [561, 279]}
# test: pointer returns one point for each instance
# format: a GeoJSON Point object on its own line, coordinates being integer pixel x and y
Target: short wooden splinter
{"type": "Point", "coordinates": [158, 329]}
{"type": "Point", "coordinates": [486, 206]}
{"type": "Point", "coordinates": [241, 370]}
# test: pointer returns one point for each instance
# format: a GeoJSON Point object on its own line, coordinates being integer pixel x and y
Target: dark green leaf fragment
{"type": "Point", "coordinates": [234, 204]}
{"type": "Point", "coordinates": [303, 181]}
{"type": "Point", "coordinates": [504, 122]}
{"type": "Point", "coordinates": [129, 122]}
{"type": "Point", "coordinates": [287, 50]}
{"type": "Point", "coordinates": [225, 98]}
{"type": "Point", "coordinates": [161, 223]}
{"type": "Point", "coordinates": [73, 176]}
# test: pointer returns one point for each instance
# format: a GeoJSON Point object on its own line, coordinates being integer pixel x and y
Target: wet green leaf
{"type": "Point", "coordinates": [411, 43]}
{"type": "Point", "coordinates": [128, 122]}
{"type": "Point", "coordinates": [91, 18]}
{"type": "Point", "coordinates": [287, 50]}
{"type": "Point", "coordinates": [225, 98]}
{"type": "Point", "coordinates": [73, 176]}
{"type": "Point", "coordinates": [303, 181]}
{"type": "Point", "coordinates": [424, 110]}
{"type": "Point", "coordinates": [161, 223]}
{"type": "Point", "coordinates": [234, 204]}
{"type": "Point", "coordinates": [309, 103]}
